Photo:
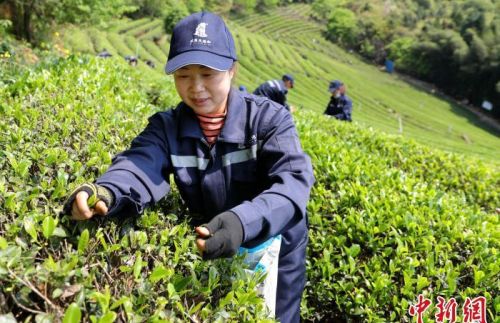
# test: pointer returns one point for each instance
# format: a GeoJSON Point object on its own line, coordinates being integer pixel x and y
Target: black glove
{"type": "Point", "coordinates": [96, 193]}
{"type": "Point", "coordinates": [226, 236]}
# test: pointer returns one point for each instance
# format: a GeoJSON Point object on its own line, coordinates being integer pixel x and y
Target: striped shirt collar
{"type": "Point", "coordinates": [234, 127]}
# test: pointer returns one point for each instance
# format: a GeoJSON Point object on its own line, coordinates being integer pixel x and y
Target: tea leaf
{"type": "Point", "coordinates": [83, 241]}
{"type": "Point", "coordinates": [48, 227]}
{"type": "Point", "coordinates": [72, 314]}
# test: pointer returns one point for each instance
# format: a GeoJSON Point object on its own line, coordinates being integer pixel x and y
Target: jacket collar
{"type": "Point", "coordinates": [282, 86]}
{"type": "Point", "coordinates": [188, 124]}
{"type": "Point", "coordinates": [342, 97]}
{"type": "Point", "coordinates": [234, 125]}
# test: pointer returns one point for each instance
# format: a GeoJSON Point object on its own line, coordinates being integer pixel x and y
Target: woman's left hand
{"type": "Point", "coordinates": [221, 237]}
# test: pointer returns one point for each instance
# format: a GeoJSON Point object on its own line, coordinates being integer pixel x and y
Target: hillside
{"type": "Point", "coordinates": [285, 40]}
{"type": "Point", "coordinates": [389, 218]}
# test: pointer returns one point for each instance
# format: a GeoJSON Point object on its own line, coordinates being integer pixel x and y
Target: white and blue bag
{"type": "Point", "coordinates": [264, 258]}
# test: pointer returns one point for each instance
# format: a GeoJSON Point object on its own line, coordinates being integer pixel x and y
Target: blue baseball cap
{"type": "Point", "coordinates": [201, 38]}
{"type": "Point", "coordinates": [288, 77]}
{"type": "Point", "coordinates": [335, 85]}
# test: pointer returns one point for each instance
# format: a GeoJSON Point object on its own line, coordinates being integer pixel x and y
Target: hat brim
{"type": "Point", "coordinates": [213, 61]}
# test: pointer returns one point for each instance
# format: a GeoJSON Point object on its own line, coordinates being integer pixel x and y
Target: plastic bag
{"type": "Point", "coordinates": [264, 258]}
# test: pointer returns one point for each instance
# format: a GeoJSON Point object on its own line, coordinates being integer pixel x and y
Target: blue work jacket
{"type": "Point", "coordinates": [274, 90]}
{"type": "Point", "coordinates": [256, 168]}
{"type": "Point", "coordinates": [340, 108]}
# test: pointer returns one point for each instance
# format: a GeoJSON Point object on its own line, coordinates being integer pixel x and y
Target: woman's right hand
{"type": "Point", "coordinates": [81, 211]}
{"type": "Point", "coordinates": [88, 200]}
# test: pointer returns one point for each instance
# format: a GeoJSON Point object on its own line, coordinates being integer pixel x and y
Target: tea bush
{"type": "Point", "coordinates": [61, 123]}
{"type": "Point", "coordinates": [389, 219]}
{"type": "Point", "coordinates": [392, 219]}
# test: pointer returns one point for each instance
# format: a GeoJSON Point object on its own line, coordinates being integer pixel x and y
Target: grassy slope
{"type": "Point", "coordinates": [285, 40]}
{"type": "Point", "coordinates": [379, 98]}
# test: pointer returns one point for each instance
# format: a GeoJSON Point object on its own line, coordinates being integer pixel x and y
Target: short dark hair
{"type": "Point", "coordinates": [287, 77]}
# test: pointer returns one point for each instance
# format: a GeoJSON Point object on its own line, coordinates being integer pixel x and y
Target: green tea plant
{"type": "Point", "coordinates": [393, 219]}
{"type": "Point", "coordinates": [390, 219]}
{"type": "Point", "coordinates": [61, 124]}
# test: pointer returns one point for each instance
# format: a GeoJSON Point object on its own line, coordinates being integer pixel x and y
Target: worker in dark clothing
{"type": "Point", "coordinates": [150, 63]}
{"type": "Point", "coordinates": [236, 160]}
{"type": "Point", "coordinates": [104, 54]}
{"type": "Point", "coordinates": [340, 105]}
{"type": "Point", "coordinates": [276, 90]}
{"type": "Point", "coordinates": [132, 60]}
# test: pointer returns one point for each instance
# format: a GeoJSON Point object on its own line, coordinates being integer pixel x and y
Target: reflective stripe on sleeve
{"type": "Point", "coordinates": [239, 156]}
{"type": "Point", "coordinates": [235, 157]}
{"type": "Point", "coordinates": [189, 161]}
{"type": "Point", "coordinates": [278, 85]}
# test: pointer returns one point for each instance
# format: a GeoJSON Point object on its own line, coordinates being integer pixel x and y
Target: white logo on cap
{"type": "Point", "coordinates": [201, 30]}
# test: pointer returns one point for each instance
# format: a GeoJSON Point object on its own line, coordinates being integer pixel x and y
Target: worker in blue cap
{"type": "Point", "coordinates": [340, 105]}
{"type": "Point", "coordinates": [236, 159]}
{"type": "Point", "coordinates": [104, 54]}
{"type": "Point", "coordinates": [276, 90]}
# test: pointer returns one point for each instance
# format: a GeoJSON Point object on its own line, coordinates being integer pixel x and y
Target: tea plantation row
{"type": "Point", "coordinates": [389, 220]}
{"type": "Point", "coordinates": [285, 40]}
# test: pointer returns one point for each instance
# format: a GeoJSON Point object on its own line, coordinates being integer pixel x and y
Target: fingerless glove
{"type": "Point", "coordinates": [96, 193]}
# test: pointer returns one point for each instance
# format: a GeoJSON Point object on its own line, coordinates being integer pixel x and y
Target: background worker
{"type": "Point", "coordinates": [276, 90]}
{"type": "Point", "coordinates": [104, 54]}
{"type": "Point", "coordinates": [132, 60]}
{"type": "Point", "coordinates": [340, 105]}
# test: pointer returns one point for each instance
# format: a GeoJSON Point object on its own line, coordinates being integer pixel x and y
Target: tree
{"type": "Point", "coordinates": [195, 5]}
{"type": "Point", "coordinates": [152, 8]}
{"type": "Point", "coordinates": [322, 9]}
{"type": "Point", "coordinates": [477, 14]}
{"type": "Point", "coordinates": [342, 26]}
{"type": "Point", "coordinates": [263, 5]}
{"type": "Point", "coordinates": [375, 32]}
{"type": "Point", "coordinates": [426, 4]}
{"type": "Point", "coordinates": [244, 6]}
{"type": "Point", "coordinates": [401, 52]}
{"type": "Point", "coordinates": [221, 7]}
{"type": "Point", "coordinates": [478, 50]}
{"type": "Point", "coordinates": [5, 25]}
{"type": "Point", "coordinates": [31, 19]}
{"type": "Point", "coordinates": [173, 16]}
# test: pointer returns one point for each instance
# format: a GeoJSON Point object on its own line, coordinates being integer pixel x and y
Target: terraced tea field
{"type": "Point", "coordinates": [286, 40]}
